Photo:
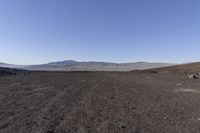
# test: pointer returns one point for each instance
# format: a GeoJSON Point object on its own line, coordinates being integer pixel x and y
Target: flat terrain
{"type": "Point", "coordinates": [99, 102]}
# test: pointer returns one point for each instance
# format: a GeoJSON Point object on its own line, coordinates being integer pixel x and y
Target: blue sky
{"type": "Point", "coordinates": [40, 31]}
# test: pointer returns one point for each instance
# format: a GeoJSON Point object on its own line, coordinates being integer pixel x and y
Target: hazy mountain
{"type": "Point", "coordinates": [10, 65]}
{"type": "Point", "coordinates": [71, 65]}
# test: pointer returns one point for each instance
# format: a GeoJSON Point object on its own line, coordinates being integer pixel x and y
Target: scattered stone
{"type": "Point", "coordinates": [174, 104]}
{"type": "Point", "coordinates": [122, 126]}
{"type": "Point", "coordinates": [166, 117]}
{"type": "Point", "coordinates": [131, 108]}
{"type": "Point", "coordinates": [50, 131]}
{"type": "Point", "coordinates": [156, 98]}
{"type": "Point", "coordinates": [155, 124]}
{"type": "Point", "coordinates": [87, 127]}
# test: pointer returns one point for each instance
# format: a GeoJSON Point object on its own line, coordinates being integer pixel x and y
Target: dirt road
{"type": "Point", "coordinates": [99, 102]}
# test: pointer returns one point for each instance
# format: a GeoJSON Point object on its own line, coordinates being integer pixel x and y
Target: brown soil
{"type": "Point", "coordinates": [99, 102]}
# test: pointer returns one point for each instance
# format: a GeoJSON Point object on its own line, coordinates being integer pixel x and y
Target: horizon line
{"type": "Point", "coordinates": [97, 61]}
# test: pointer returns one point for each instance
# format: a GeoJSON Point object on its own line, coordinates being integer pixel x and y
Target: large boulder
{"type": "Point", "coordinates": [194, 76]}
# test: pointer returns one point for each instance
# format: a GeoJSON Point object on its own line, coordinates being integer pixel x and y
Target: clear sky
{"type": "Point", "coordinates": [39, 31]}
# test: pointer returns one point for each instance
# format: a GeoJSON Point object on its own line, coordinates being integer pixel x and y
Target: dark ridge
{"type": "Point", "coordinates": [10, 71]}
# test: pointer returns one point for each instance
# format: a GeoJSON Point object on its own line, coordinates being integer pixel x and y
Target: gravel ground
{"type": "Point", "coordinates": [99, 102]}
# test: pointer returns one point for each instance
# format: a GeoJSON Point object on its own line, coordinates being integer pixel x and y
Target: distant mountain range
{"type": "Point", "coordinates": [71, 65]}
